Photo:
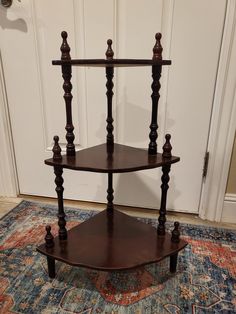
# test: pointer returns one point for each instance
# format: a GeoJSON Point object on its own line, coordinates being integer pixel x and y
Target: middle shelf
{"type": "Point", "coordinates": [114, 158]}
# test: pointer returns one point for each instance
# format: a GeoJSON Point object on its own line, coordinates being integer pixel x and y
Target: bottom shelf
{"type": "Point", "coordinates": [112, 241]}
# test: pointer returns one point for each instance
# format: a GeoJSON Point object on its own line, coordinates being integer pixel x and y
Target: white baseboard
{"type": "Point", "coordinates": [229, 210]}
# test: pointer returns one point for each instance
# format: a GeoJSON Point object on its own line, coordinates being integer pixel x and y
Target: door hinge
{"type": "Point", "coordinates": [205, 166]}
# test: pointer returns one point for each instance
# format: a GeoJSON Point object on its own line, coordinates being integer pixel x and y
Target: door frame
{"type": "Point", "coordinates": [221, 133]}
{"type": "Point", "coordinates": [9, 186]}
{"type": "Point", "coordinates": [223, 123]}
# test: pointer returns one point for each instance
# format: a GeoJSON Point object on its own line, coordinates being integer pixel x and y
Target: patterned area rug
{"type": "Point", "coordinates": [205, 281]}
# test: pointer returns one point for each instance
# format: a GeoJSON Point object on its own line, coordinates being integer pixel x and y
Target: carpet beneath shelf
{"type": "Point", "coordinates": [205, 281]}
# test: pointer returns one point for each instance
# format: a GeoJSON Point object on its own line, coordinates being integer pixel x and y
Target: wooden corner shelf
{"type": "Point", "coordinates": [114, 158]}
{"type": "Point", "coordinates": [111, 240]}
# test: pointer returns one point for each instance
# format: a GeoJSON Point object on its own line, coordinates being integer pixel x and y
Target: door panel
{"type": "Point", "coordinates": [30, 39]}
{"type": "Point", "coordinates": [195, 52]}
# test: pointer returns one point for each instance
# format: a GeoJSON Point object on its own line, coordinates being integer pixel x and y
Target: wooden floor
{"type": "Point", "coordinates": [6, 204]}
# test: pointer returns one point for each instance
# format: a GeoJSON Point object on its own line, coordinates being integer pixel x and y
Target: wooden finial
{"type": "Point", "coordinates": [157, 49]}
{"type": "Point", "coordinates": [49, 239]}
{"type": "Point", "coordinates": [109, 52]}
{"type": "Point", "coordinates": [175, 233]}
{"type": "Point", "coordinates": [167, 147]}
{"type": "Point", "coordinates": [65, 48]}
{"type": "Point", "coordinates": [56, 149]}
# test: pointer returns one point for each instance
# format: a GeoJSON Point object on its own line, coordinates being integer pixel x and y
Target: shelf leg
{"type": "Point", "coordinates": [110, 192]}
{"type": "Point", "coordinates": [51, 267]}
{"type": "Point", "coordinates": [164, 188]}
{"type": "Point", "coordinates": [61, 214]}
{"type": "Point", "coordinates": [173, 262]}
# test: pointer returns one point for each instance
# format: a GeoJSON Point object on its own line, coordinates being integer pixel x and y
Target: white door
{"type": "Point", "coordinates": [30, 39]}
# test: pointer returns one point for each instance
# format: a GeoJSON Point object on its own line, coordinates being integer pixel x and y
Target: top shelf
{"type": "Point", "coordinates": [112, 62]}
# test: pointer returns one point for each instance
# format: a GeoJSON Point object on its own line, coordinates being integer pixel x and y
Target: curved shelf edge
{"type": "Point", "coordinates": [112, 159]}
{"type": "Point", "coordinates": [41, 249]}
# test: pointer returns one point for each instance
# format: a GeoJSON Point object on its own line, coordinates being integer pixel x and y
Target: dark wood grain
{"type": "Point", "coordinates": [112, 241]}
{"type": "Point", "coordinates": [112, 158]}
{"type": "Point", "coordinates": [113, 62]}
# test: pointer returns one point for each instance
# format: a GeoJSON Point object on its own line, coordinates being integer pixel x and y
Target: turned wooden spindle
{"type": "Point", "coordinates": [65, 48]}
{"type": "Point", "coordinates": [61, 214]}
{"type": "Point", "coordinates": [110, 191]}
{"type": "Point", "coordinates": [67, 86]}
{"type": "Point", "coordinates": [175, 233]}
{"type": "Point", "coordinates": [109, 93]}
{"type": "Point", "coordinates": [109, 52]}
{"type": "Point", "coordinates": [156, 75]}
{"type": "Point", "coordinates": [164, 188]}
{"type": "Point", "coordinates": [49, 239]}
{"type": "Point", "coordinates": [157, 49]}
{"type": "Point", "coordinates": [167, 147]}
{"type": "Point", "coordinates": [56, 149]}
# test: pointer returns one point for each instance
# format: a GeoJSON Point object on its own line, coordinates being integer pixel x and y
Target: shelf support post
{"type": "Point", "coordinates": [173, 262]}
{"type": "Point", "coordinates": [166, 155]}
{"type": "Point", "coordinates": [109, 93]}
{"type": "Point", "coordinates": [61, 214]}
{"type": "Point", "coordinates": [164, 188]}
{"type": "Point", "coordinates": [110, 192]}
{"type": "Point", "coordinates": [67, 86]}
{"type": "Point", "coordinates": [156, 75]}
